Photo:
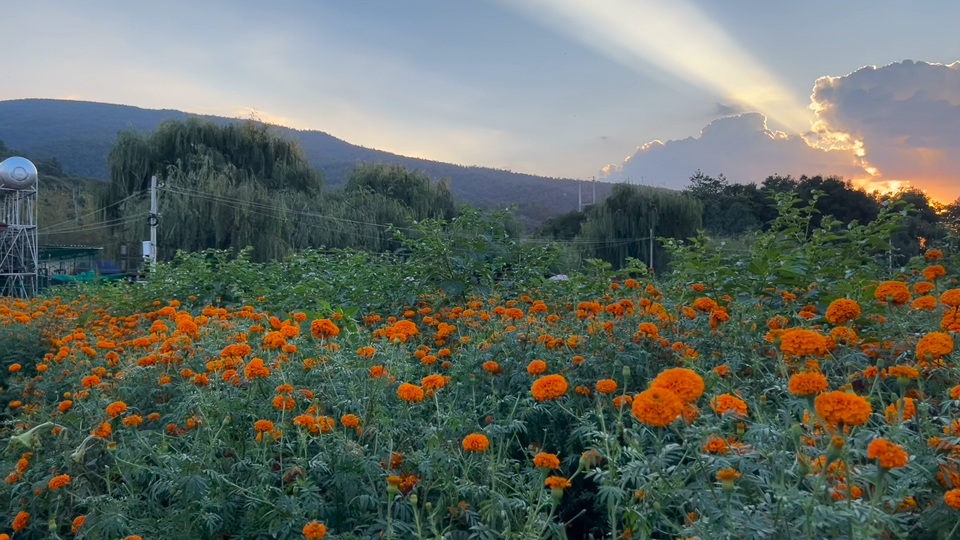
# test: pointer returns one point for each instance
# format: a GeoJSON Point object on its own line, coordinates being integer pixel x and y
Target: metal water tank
{"type": "Point", "coordinates": [17, 173]}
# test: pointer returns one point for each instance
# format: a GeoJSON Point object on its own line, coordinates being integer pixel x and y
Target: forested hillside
{"type": "Point", "coordinates": [80, 134]}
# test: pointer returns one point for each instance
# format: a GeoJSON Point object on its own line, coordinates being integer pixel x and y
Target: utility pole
{"type": "Point", "coordinates": [150, 248]}
{"type": "Point", "coordinates": [579, 196]}
{"type": "Point", "coordinates": [594, 181]}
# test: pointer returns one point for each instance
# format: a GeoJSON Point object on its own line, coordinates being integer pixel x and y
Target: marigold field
{"type": "Point", "coordinates": [316, 398]}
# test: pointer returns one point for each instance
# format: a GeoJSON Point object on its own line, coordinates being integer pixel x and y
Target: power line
{"type": "Point", "coordinates": [52, 228]}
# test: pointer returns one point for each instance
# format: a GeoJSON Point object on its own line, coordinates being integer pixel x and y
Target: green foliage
{"type": "Point", "coordinates": [793, 253]}
{"type": "Point", "coordinates": [413, 189]}
{"type": "Point", "coordinates": [474, 253]}
{"type": "Point", "coordinates": [620, 226]}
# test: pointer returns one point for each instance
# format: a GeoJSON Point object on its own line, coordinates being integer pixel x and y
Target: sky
{"type": "Point", "coordinates": [638, 90]}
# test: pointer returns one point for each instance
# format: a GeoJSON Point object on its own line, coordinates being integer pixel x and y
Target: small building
{"type": "Point", "coordinates": [66, 264]}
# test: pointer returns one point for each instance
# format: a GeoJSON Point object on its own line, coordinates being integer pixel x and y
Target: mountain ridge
{"type": "Point", "coordinates": [80, 134]}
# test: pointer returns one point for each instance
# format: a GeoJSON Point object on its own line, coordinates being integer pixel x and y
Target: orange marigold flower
{"type": "Point", "coordinates": [649, 330]}
{"type": "Point", "coordinates": [434, 382]}
{"type": "Point", "coordinates": [925, 303]}
{"type": "Point", "coordinates": [350, 421]}
{"type": "Point", "coordinates": [491, 366]}
{"type": "Point", "coordinates": [326, 424]}
{"type": "Point", "coordinates": [889, 455]}
{"type": "Point", "coordinates": [657, 407]}
{"type": "Point", "coordinates": [726, 402]}
{"type": "Point", "coordinates": [955, 392]}
{"type": "Point", "coordinates": [549, 387]}
{"type": "Point", "coordinates": [802, 342]}
{"type": "Point", "coordinates": [21, 521]}
{"type": "Point", "coordinates": [376, 372]}
{"type": "Point", "coordinates": [807, 383]}
{"type": "Point", "coordinates": [324, 329]}
{"type": "Point", "coordinates": [546, 461]}
{"type": "Point", "coordinates": [116, 408]}
{"type": "Point", "coordinates": [255, 369]}
{"type": "Point", "coordinates": [58, 482]}
{"type": "Point", "coordinates": [727, 475]}
{"type": "Point", "coordinates": [103, 430]}
{"type": "Point", "coordinates": [685, 383]}
{"type": "Point", "coordinates": [904, 409]}
{"type": "Point", "coordinates": [842, 310]}
{"type": "Point", "coordinates": [14, 368]}
{"type": "Point", "coordinates": [843, 408]}
{"type": "Point", "coordinates": [722, 370]}
{"type": "Point", "coordinates": [606, 386]}
{"type": "Point", "coordinates": [952, 498]}
{"type": "Point", "coordinates": [934, 345]}
{"type": "Point", "coordinates": [931, 273]}
{"type": "Point", "coordinates": [923, 287]}
{"type": "Point", "coordinates": [932, 254]}
{"type": "Point", "coordinates": [65, 405]}
{"type": "Point", "coordinates": [557, 482]}
{"type": "Point", "coordinates": [314, 530]}
{"type": "Point", "coordinates": [536, 367]}
{"type": "Point", "coordinates": [133, 420]}
{"type": "Point", "coordinates": [705, 304]}
{"type": "Point", "coordinates": [716, 445]}
{"type": "Point", "coordinates": [90, 381]}
{"type": "Point", "coordinates": [904, 372]}
{"type": "Point", "coordinates": [620, 401]}
{"type": "Point", "coordinates": [842, 491]}
{"type": "Point", "coordinates": [263, 426]}
{"type": "Point", "coordinates": [77, 523]}
{"type": "Point", "coordinates": [844, 335]}
{"type": "Point", "coordinates": [476, 442]}
{"type": "Point", "coordinates": [285, 403]}
{"type": "Point", "coordinates": [893, 291]}
{"type": "Point", "coordinates": [410, 393]}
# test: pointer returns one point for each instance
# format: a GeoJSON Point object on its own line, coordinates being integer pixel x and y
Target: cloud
{"type": "Point", "coordinates": [904, 119]}
{"type": "Point", "coordinates": [881, 128]}
{"type": "Point", "coordinates": [741, 147]}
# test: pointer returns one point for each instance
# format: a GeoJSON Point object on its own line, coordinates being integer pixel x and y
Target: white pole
{"type": "Point", "coordinates": [579, 196]}
{"type": "Point", "coordinates": [153, 222]}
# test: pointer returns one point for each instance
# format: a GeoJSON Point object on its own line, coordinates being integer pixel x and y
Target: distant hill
{"type": "Point", "coordinates": [80, 134]}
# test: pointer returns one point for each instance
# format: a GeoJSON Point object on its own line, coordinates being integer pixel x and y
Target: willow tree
{"type": "Point", "coordinates": [225, 186]}
{"type": "Point", "coordinates": [425, 198]}
{"type": "Point", "coordinates": [620, 226]}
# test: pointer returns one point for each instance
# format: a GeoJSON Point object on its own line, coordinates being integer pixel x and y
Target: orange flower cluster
{"type": "Point", "coordinates": [410, 393]}
{"type": "Point", "coordinates": [557, 482]}
{"type": "Point", "coordinates": [536, 367]}
{"type": "Point", "coordinates": [888, 454]}
{"type": "Point", "coordinates": [727, 403]}
{"type": "Point", "coordinates": [685, 383]}
{"type": "Point", "coordinates": [324, 329]}
{"type": "Point", "coordinates": [895, 292]}
{"type": "Point", "coordinates": [807, 383]}
{"type": "Point", "coordinates": [606, 386]}
{"type": "Point", "coordinates": [546, 461]}
{"type": "Point", "coordinates": [314, 530]}
{"type": "Point", "coordinates": [842, 408]}
{"type": "Point", "coordinates": [931, 273]}
{"type": "Point", "coordinates": [476, 442]}
{"type": "Point", "coordinates": [934, 345]}
{"type": "Point", "coordinates": [802, 342]}
{"type": "Point", "coordinates": [256, 370]}
{"type": "Point", "coordinates": [549, 387]}
{"type": "Point", "coordinates": [842, 311]}
{"type": "Point", "coordinates": [58, 482]}
{"type": "Point", "coordinates": [657, 407]}
{"type": "Point", "coordinates": [904, 409]}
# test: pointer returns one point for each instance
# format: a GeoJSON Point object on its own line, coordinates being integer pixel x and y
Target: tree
{"type": "Point", "coordinates": [620, 226]}
{"type": "Point", "coordinates": [414, 189]}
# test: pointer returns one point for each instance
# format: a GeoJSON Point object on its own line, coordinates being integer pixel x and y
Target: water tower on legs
{"type": "Point", "coordinates": [18, 228]}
